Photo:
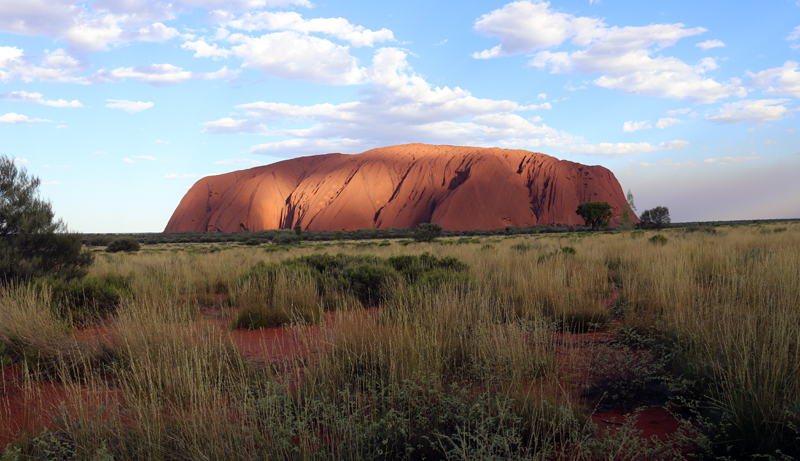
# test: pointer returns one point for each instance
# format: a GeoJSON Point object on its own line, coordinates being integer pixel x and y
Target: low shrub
{"type": "Point", "coordinates": [522, 247]}
{"type": "Point", "coordinates": [127, 244]}
{"type": "Point", "coordinates": [658, 239]}
{"type": "Point", "coordinates": [81, 299]}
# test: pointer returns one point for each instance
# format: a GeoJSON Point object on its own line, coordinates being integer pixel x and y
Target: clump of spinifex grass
{"type": "Point", "coordinates": [452, 331]}
{"type": "Point", "coordinates": [729, 305]}
{"type": "Point", "coordinates": [277, 297]}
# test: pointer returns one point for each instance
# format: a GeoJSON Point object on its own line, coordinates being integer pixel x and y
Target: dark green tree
{"type": "Point", "coordinates": [427, 231]}
{"type": "Point", "coordinates": [657, 217]}
{"type": "Point", "coordinates": [32, 244]}
{"type": "Point", "coordinates": [595, 214]}
{"type": "Point", "coordinates": [298, 230]}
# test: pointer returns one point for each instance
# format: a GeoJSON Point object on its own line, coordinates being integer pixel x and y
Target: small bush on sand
{"type": "Point", "coordinates": [91, 296]}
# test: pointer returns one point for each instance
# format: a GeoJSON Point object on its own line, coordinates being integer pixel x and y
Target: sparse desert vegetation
{"type": "Point", "coordinates": [555, 346]}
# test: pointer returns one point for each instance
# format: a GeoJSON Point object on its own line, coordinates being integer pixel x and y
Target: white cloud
{"type": "Point", "coordinates": [14, 118]}
{"type": "Point", "coordinates": [340, 28]}
{"type": "Point", "coordinates": [624, 149]}
{"type": "Point", "coordinates": [129, 106]}
{"type": "Point", "coordinates": [56, 66]}
{"type": "Point", "coordinates": [524, 27]}
{"type": "Point", "coordinates": [180, 176]}
{"type": "Point", "coordinates": [727, 160]}
{"type": "Point", "coordinates": [204, 50]}
{"type": "Point", "coordinates": [36, 98]}
{"type": "Point", "coordinates": [237, 161]}
{"type": "Point", "coordinates": [146, 157]}
{"type": "Point", "coordinates": [293, 56]}
{"type": "Point", "coordinates": [232, 126]}
{"type": "Point", "coordinates": [160, 74]}
{"type": "Point", "coordinates": [751, 111]}
{"type": "Point", "coordinates": [20, 161]}
{"type": "Point", "coordinates": [667, 163]}
{"type": "Point", "coordinates": [631, 126]}
{"type": "Point", "coordinates": [794, 36]}
{"type": "Point", "coordinates": [769, 141]}
{"type": "Point", "coordinates": [542, 96]}
{"type": "Point", "coordinates": [621, 55]}
{"type": "Point", "coordinates": [786, 80]}
{"type": "Point", "coordinates": [708, 44]}
{"type": "Point", "coordinates": [666, 122]}
{"type": "Point", "coordinates": [672, 113]}
{"type": "Point", "coordinates": [399, 107]}
{"type": "Point", "coordinates": [546, 105]}
{"type": "Point", "coordinates": [127, 160]}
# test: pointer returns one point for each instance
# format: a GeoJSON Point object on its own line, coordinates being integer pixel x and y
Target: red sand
{"type": "Point", "coordinates": [33, 409]}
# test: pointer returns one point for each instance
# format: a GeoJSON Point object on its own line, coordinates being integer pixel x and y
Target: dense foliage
{"type": "Point", "coordinates": [657, 217]}
{"type": "Point", "coordinates": [595, 214]}
{"type": "Point", "coordinates": [32, 243]}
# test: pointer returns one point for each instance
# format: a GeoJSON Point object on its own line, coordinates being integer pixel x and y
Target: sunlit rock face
{"type": "Point", "coordinates": [460, 188]}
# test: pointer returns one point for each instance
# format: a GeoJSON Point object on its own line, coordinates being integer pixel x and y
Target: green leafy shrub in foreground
{"type": "Point", "coordinates": [127, 244]}
{"type": "Point", "coordinates": [87, 297]}
{"type": "Point", "coordinates": [658, 239]}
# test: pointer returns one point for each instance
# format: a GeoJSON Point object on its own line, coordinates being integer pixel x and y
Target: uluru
{"type": "Point", "coordinates": [458, 187]}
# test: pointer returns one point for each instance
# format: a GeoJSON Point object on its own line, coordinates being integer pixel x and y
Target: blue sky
{"type": "Point", "coordinates": [119, 106]}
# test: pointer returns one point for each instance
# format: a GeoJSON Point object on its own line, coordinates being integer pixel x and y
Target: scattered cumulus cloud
{"type": "Point", "coordinates": [36, 98]}
{"type": "Point", "coordinates": [708, 44]}
{"type": "Point", "coordinates": [630, 127]}
{"type": "Point", "coordinates": [624, 149]}
{"type": "Point", "coordinates": [399, 107]}
{"type": "Point", "coordinates": [13, 118]}
{"type": "Point", "coordinates": [672, 113]}
{"type": "Point", "coordinates": [294, 56]}
{"type": "Point", "coordinates": [130, 107]}
{"type": "Point", "coordinates": [127, 160]}
{"type": "Point", "coordinates": [621, 55]}
{"type": "Point", "coordinates": [339, 28]}
{"type": "Point", "coordinates": [667, 163]}
{"type": "Point", "coordinates": [751, 111]}
{"type": "Point", "coordinates": [794, 36]}
{"type": "Point", "coordinates": [727, 160]}
{"type": "Point", "coordinates": [769, 141]}
{"type": "Point", "coordinates": [204, 50]}
{"type": "Point", "coordinates": [53, 67]}
{"type": "Point", "coordinates": [780, 81]}
{"type": "Point", "coordinates": [159, 74]}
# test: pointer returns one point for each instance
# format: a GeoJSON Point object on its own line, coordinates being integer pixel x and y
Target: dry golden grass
{"type": "Point", "coordinates": [478, 354]}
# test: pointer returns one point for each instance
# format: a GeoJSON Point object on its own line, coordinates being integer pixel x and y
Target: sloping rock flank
{"type": "Point", "coordinates": [460, 188]}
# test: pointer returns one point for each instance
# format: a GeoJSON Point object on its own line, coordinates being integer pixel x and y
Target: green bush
{"type": "Point", "coordinates": [658, 239]}
{"type": "Point", "coordinates": [88, 297]}
{"type": "Point", "coordinates": [286, 239]}
{"type": "Point", "coordinates": [127, 244]}
{"type": "Point", "coordinates": [427, 232]}
{"type": "Point", "coordinates": [522, 247]}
